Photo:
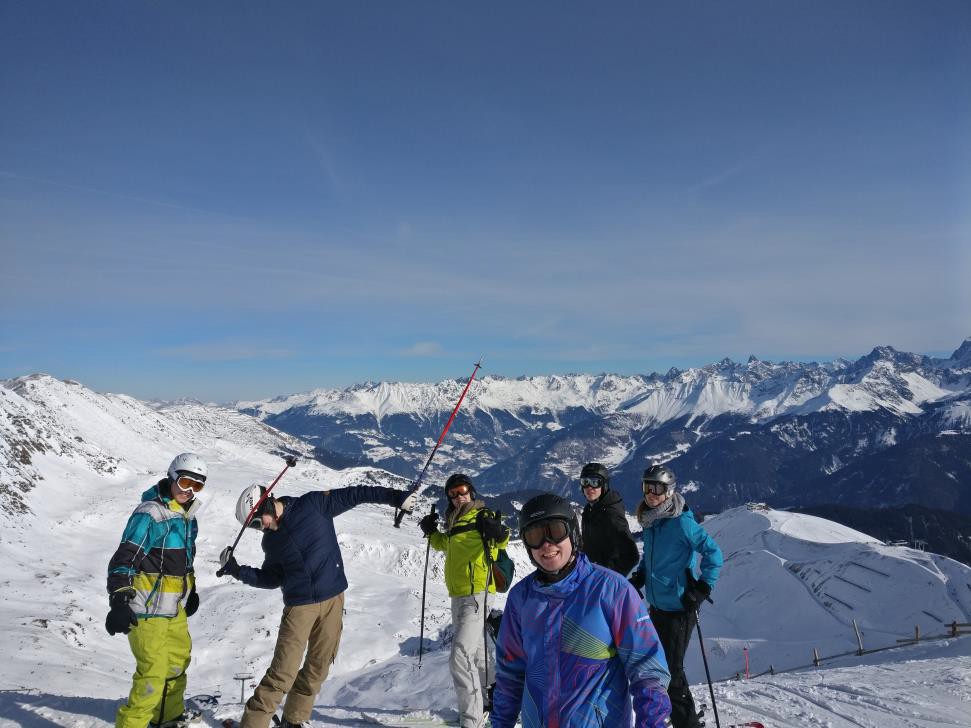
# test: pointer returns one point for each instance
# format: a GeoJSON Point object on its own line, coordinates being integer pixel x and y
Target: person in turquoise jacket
{"type": "Point", "coordinates": [152, 590]}
{"type": "Point", "coordinates": [576, 648]}
{"type": "Point", "coordinates": [672, 538]}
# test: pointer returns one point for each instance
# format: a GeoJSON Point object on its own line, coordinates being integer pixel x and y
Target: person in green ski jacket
{"type": "Point", "coordinates": [468, 527]}
{"type": "Point", "coordinates": [152, 590]}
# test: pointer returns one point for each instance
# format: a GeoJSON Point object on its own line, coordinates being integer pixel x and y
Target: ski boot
{"type": "Point", "coordinates": [183, 721]}
{"type": "Point", "coordinates": [284, 723]}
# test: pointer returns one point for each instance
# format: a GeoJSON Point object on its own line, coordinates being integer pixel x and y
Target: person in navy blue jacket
{"type": "Point", "coordinates": [303, 558]}
{"type": "Point", "coordinates": [672, 537]}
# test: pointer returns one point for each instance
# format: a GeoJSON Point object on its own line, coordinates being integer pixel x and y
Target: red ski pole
{"type": "Point", "coordinates": [399, 514]}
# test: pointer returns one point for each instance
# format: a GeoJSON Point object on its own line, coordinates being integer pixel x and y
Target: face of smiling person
{"type": "Point", "coordinates": [553, 557]}
{"type": "Point", "coordinates": [654, 501]}
{"type": "Point", "coordinates": [181, 496]}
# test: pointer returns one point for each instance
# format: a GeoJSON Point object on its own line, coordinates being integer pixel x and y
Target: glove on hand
{"type": "Point", "coordinates": [637, 579]}
{"type": "Point", "coordinates": [694, 595]}
{"type": "Point", "coordinates": [429, 524]}
{"type": "Point", "coordinates": [228, 562]}
{"type": "Point", "coordinates": [120, 617]}
{"type": "Point", "coordinates": [408, 503]}
{"type": "Point", "coordinates": [489, 526]}
{"type": "Point", "coordinates": [192, 603]}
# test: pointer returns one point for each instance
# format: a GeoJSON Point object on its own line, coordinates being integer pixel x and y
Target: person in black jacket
{"type": "Point", "coordinates": [606, 536]}
{"type": "Point", "coordinates": [302, 558]}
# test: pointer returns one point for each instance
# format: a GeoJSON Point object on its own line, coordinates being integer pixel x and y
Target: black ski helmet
{"type": "Point", "coordinates": [660, 474]}
{"type": "Point", "coordinates": [546, 506]}
{"type": "Point", "coordinates": [596, 470]}
{"type": "Point", "coordinates": [459, 479]}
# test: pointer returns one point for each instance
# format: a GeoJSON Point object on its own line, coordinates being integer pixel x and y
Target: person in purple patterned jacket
{"type": "Point", "coordinates": [576, 647]}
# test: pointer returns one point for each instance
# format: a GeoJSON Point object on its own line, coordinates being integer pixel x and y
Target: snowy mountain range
{"type": "Point", "coordinates": [73, 464]}
{"type": "Point", "coordinates": [888, 429]}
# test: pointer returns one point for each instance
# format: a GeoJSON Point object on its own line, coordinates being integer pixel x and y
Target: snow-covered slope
{"type": "Point", "coordinates": [793, 582]}
{"type": "Point", "coordinates": [51, 428]}
{"type": "Point", "coordinates": [790, 583]}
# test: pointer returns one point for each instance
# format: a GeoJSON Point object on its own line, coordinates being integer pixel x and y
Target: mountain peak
{"type": "Point", "coordinates": [963, 352]}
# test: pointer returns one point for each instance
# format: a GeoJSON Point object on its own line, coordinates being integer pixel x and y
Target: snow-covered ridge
{"type": "Point", "coordinates": [884, 379]}
{"type": "Point", "coordinates": [54, 428]}
{"type": "Point", "coordinates": [790, 583]}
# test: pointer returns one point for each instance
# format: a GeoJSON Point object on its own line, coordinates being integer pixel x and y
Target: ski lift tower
{"type": "Point", "coordinates": [242, 684]}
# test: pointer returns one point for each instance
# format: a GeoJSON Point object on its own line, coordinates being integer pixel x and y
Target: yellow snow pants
{"type": "Point", "coordinates": [161, 646]}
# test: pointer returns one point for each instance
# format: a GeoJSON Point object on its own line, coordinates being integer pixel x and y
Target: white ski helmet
{"type": "Point", "coordinates": [244, 506]}
{"type": "Point", "coordinates": [188, 462]}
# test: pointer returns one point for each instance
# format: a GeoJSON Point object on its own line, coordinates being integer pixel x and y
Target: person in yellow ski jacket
{"type": "Point", "coordinates": [469, 526]}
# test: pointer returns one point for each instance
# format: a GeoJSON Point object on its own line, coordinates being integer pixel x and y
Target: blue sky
{"type": "Point", "coordinates": [234, 200]}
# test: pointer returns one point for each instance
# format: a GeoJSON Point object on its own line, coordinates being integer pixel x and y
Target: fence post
{"type": "Point", "coordinates": [815, 657]}
{"type": "Point", "coordinates": [954, 628]}
{"type": "Point", "coordinates": [859, 637]}
{"type": "Point", "coordinates": [745, 650]}
{"type": "Point", "coordinates": [916, 633]}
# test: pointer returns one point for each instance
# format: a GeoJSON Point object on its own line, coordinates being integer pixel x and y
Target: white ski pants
{"type": "Point", "coordinates": [468, 659]}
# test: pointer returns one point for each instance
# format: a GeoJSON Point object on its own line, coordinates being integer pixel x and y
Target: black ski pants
{"type": "Point", "coordinates": [674, 630]}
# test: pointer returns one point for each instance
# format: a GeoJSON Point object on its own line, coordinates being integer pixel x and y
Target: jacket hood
{"type": "Point", "coordinates": [160, 491]}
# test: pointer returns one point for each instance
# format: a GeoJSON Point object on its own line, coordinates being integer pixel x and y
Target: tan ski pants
{"type": "Point", "coordinates": [311, 628]}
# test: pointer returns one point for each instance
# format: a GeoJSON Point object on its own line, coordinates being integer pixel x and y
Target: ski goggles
{"type": "Point", "coordinates": [553, 530]}
{"type": "Point", "coordinates": [267, 507]}
{"type": "Point", "coordinates": [653, 487]}
{"type": "Point", "coordinates": [593, 482]}
{"type": "Point", "coordinates": [463, 489]}
{"type": "Point", "coordinates": [187, 483]}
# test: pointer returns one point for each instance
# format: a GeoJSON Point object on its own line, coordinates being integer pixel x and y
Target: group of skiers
{"type": "Point", "coordinates": [578, 644]}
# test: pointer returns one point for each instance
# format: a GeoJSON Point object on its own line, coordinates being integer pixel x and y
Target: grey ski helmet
{"type": "Point", "coordinates": [545, 507]}
{"type": "Point", "coordinates": [188, 463]}
{"type": "Point", "coordinates": [598, 471]}
{"type": "Point", "coordinates": [660, 474]}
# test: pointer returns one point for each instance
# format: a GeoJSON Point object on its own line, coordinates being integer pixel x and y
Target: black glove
{"type": "Point", "coordinates": [120, 617]}
{"type": "Point", "coordinates": [231, 567]}
{"type": "Point", "coordinates": [694, 595]}
{"type": "Point", "coordinates": [490, 526]}
{"type": "Point", "coordinates": [637, 579]}
{"type": "Point", "coordinates": [191, 603]}
{"type": "Point", "coordinates": [429, 524]}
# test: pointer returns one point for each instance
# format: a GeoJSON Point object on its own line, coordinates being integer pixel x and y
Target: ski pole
{"type": "Point", "coordinates": [424, 588]}
{"type": "Point", "coordinates": [400, 514]}
{"type": "Point", "coordinates": [485, 618]}
{"type": "Point", "coordinates": [704, 657]}
{"type": "Point", "coordinates": [291, 462]}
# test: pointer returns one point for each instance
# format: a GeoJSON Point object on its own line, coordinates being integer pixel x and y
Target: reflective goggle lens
{"type": "Point", "coordinates": [591, 482]}
{"type": "Point", "coordinates": [459, 490]}
{"type": "Point", "coordinates": [654, 488]}
{"type": "Point", "coordinates": [553, 531]}
{"type": "Point", "coordinates": [187, 483]}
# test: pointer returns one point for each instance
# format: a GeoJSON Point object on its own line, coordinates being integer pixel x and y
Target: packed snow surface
{"type": "Point", "coordinates": [791, 583]}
